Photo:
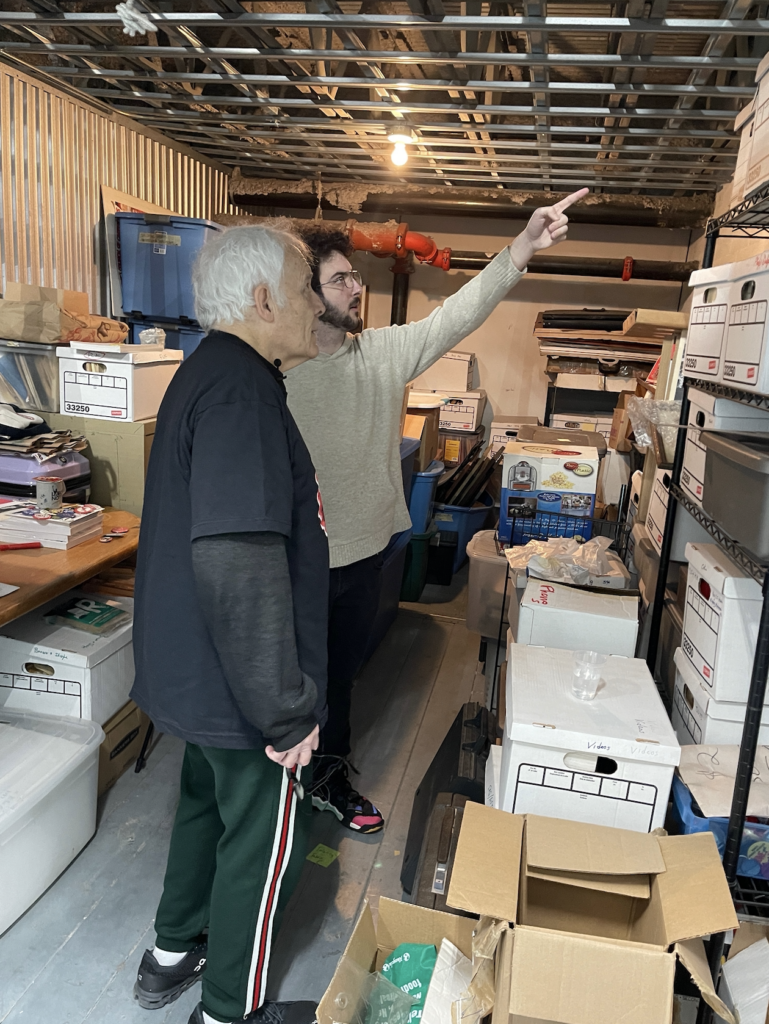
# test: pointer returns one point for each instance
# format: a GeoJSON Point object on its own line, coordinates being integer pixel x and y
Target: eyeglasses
{"type": "Point", "coordinates": [344, 279]}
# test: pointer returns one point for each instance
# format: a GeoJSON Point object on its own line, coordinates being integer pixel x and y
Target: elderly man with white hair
{"type": "Point", "coordinates": [230, 627]}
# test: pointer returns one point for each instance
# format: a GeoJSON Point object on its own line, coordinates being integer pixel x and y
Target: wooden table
{"type": "Point", "coordinates": [44, 573]}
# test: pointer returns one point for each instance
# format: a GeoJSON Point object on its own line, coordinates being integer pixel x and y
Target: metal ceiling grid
{"type": "Point", "coordinates": [637, 96]}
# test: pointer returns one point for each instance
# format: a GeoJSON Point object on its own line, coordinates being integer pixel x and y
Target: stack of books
{"type": "Point", "coordinates": [61, 528]}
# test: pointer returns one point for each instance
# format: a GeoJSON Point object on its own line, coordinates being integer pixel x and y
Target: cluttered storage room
{"type": "Point", "coordinates": [384, 512]}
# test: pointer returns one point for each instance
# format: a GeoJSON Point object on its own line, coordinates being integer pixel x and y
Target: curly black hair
{"type": "Point", "coordinates": [323, 241]}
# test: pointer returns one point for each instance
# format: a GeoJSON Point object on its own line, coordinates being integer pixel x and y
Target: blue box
{"type": "Point", "coordinates": [179, 336]}
{"type": "Point", "coordinates": [465, 522]}
{"type": "Point", "coordinates": [540, 515]}
{"type": "Point", "coordinates": [754, 848]}
{"type": "Point", "coordinates": [155, 255]}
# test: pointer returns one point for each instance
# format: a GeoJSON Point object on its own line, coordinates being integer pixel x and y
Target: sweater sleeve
{"type": "Point", "coordinates": [244, 589]}
{"type": "Point", "coordinates": [415, 346]}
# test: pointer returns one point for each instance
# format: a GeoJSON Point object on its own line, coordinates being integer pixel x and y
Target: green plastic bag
{"type": "Point", "coordinates": [410, 967]}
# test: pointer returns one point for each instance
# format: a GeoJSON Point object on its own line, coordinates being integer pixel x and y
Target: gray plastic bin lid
{"type": "Point", "coordinates": [553, 435]}
{"type": "Point", "coordinates": [748, 450]}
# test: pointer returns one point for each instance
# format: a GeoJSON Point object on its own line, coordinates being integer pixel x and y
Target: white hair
{"type": "Point", "coordinates": [234, 262]}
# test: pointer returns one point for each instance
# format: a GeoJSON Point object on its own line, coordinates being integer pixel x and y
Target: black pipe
{"type": "Point", "coordinates": [578, 266]}
{"type": "Point", "coordinates": [710, 249]}
{"type": "Point", "coordinates": [400, 305]}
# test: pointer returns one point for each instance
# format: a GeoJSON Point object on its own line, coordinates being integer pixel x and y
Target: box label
{"type": "Point", "coordinates": [95, 394]}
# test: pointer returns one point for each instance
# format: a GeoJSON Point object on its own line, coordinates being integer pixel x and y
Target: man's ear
{"type": "Point", "coordinates": [263, 303]}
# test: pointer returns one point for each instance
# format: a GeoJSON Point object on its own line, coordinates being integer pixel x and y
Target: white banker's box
{"type": "Point", "coordinates": [608, 761]}
{"type": "Point", "coordinates": [723, 607]}
{"type": "Point", "coordinates": [697, 718]}
{"type": "Point", "coordinates": [115, 382]}
{"type": "Point", "coordinates": [463, 410]}
{"type": "Point", "coordinates": [454, 371]}
{"type": "Point", "coordinates": [57, 670]}
{"type": "Point", "coordinates": [556, 615]}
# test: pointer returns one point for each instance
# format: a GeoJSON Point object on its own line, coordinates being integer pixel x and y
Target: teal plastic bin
{"type": "Point", "coordinates": [422, 493]}
{"type": "Point", "coordinates": [465, 522]}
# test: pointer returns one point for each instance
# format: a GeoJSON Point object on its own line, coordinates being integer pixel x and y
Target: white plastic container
{"type": "Point", "coordinates": [48, 779]}
{"type": "Point", "coordinates": [707, 412]}
{"type": "Point", "coordinates": [115, 382]}
{"type": "Point", "coordinates": [697, 718]}
{"type": "Point", "coordinates": [486, 584]}
{"type": "Point", "coordinates": [606, 762]}
{"type": "Point", "coordinates": [723, 608]}
{"type": "Point", "coordinates": [57, 670]}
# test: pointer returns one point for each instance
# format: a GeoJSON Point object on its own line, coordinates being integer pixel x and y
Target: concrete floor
{"type": "Point", "coordinates": [73, 956]}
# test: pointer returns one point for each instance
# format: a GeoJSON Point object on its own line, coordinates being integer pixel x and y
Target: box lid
{"type": "Point", "coordinates": [62, 644]}
{"type": "Point", "coordinates": [487, 863]}
{"type": "Point", "coordinates": [36, 753]}
{"type": "Point", "coordinates": [484, 546]}
{"type": "Point", "coordinates": [541, 594]}
{"type": "Point", "coordinates": [627, 718]}
{"type": "Point", "coordinates": [465, 357]}
{"type": "Point", "coordinates": [748, 450]}
{"type": "Point", "coordinates": [723, 575]}
{"type": "Point", "coordinates": [120, 353]}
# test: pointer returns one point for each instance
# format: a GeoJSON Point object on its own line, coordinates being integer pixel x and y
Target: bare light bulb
{"type": "Point", "coordinates": [399, 156]}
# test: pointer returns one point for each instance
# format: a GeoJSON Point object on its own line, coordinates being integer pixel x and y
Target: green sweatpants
{"type": "Point", "coordinates": [237, 848]}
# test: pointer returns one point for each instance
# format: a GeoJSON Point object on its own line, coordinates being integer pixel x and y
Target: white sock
{"type": "Point", "coordinates": [208, 1019]}
{"type": "Point", "coordinates": [166, 959]}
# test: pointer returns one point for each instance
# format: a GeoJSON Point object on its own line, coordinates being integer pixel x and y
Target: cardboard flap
{"type": "Point", "coordinates": [578, 979]}
{"type": "Point", "coordinates": [692, 956]}
{"type": "Point", "coordinates": [403, 922]}
{"type": "Point", "coordinates": [693, 890]}
{"type": "Point", "coordinates": [487, 863]}
{"type": "Point", "coordinates": [636, 886]}
{"type": "Point", "coordinates": [359, 955]}
{"type": "Point", "coordinates": [560, 846]}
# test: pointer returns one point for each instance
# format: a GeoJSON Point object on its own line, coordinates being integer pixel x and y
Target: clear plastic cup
{"type": "Point", "coordinates": [587, 674]}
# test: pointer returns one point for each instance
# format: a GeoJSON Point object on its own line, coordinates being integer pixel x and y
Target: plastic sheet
{"type": "Point", "coordinates": [564, 559]}
{"type": "Point", "coordinates": [646, 414]}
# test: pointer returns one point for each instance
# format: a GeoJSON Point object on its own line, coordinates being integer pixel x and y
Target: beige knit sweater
{"type": "Point", "coordinates": [348, 408]}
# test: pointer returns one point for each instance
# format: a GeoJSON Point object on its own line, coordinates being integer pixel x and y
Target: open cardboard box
{"type": "Point", "coordinates": [370, 944]}
{"type": "Point", "coordinates": [600, 915]}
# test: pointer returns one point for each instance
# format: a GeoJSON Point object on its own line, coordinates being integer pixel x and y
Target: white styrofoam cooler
{"type": "Point", "coordinates": [609, 761]}
{"type": "Point", "coordinates": [698, 718]}
{"type": "Point", "coordinates": [556, 615]}
{"type": "Point", "coordinates": [723, 608]}
{"type": "Point", "coordinates": [707, 412]}
{"type": "Point", "coordinates": [48, 781]}
{"type": "Point", "coordinates": [454, 371]}
{"type": "Point", "coordinates": [686, 529]}
{"type": "Point", "coordinates": [463, 410]}
{"type": "Point", "coordinates": [115, 382]}
{"type": "Point", "coordinates": [57, 670]}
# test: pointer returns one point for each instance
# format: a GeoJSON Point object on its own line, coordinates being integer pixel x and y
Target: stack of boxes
{"type": "Point", "coordinates": [460, 425]}
{"type": "Point", "coordinates": [752, 125]}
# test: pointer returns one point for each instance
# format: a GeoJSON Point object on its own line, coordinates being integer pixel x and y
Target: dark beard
{"type": "Point", "coordinates": [348, 321]}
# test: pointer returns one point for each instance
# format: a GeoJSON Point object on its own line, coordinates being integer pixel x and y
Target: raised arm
{"type": "Point", "coordinates": [416, 346]}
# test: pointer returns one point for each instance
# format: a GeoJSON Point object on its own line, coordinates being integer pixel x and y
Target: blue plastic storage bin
{"type": "Point", "coordinates": [389, 596]}
{"type": "Point", "coordinates": [409, 448]}
{"type": "Point", "coordinates": [422, 493]}
{"type": "Point", "coordinates": [179, 336]}
{"type": "Point", "coordinates": [155, 254]}
{"type": "Point", "coordinates": [754, 848]}
{"type": "Point", "coordinates": [465, 522]}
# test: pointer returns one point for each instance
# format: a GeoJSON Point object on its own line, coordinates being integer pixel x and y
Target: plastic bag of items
{"type": "Point", "coordinates": [566, 560]}
{"type": "Point", "coordinates": [647, 416]}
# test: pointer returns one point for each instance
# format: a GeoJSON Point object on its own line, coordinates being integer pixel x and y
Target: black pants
{"type": "Point", "coordinates": [353, 602]}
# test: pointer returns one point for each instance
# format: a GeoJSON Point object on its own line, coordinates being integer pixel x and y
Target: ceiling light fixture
{"type": "Point", "coordinates": [399, 155]}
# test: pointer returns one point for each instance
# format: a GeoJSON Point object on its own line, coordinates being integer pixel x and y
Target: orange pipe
{"type": "Point", "coordinates": [393, 239]}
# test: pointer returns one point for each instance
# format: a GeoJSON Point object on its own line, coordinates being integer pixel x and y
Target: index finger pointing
{"type": "Point", "coordinates": [573, 198]}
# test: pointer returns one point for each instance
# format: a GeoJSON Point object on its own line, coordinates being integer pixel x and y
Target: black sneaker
{"type": "Point", "coordinates": [272, 1013]}
{"type": "Point", "coordinates": [157, 986]}
{"type": "Point", "coordinates": [331, 790]}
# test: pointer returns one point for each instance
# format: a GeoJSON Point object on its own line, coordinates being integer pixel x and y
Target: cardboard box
{"type": "Point", "coordinates": [723, 608]}
{"type": "Point", "coordinates": [505, 429]}
{"type": "Point", "coordinates": [115, 382]}
{"type": "Point", "coordinates": [758, 164]}
{"type": "Point", "coordinates": [621, 427]}
{"type": "Point", "coordinates": [58, 670]}
{"type": "Point", "coordinates": [118, 453]}
{"type": "Point", "coordinates": [600, 915]}
{"type": "Point", "coordinates": [609, 761]}
{"type": "Point", "coordinates": [370, 944]}
{"type": "Point", "coordinates": [123, 737]}
{"type": "Point", "coordinates": [614, 474]}
{"type": "Point", "coordinates": [698, 718]}
{"type": "Point", "coordinates": [463, 410]}
{"type": "Point", "coordinates": [746, 355]}
{"type": "Point", "coordinates": [706, 336]}
{"type": "Point", "coordinates": [587, 424]}
{"type": "Point", "coordinates": [743, 125]}
{"type": "Point", "coordinates": [686, 530]}
{"type": "Point", "coordinates": [454, 371]}
{"type": "Point", "coordinates": [549, 479]}
{"type": "Point", "coordinates": [423, 424]}
{"type": "Point", "coordinates": [556, 615]}
{"type": "Point", "coordinates": [77, 302]}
